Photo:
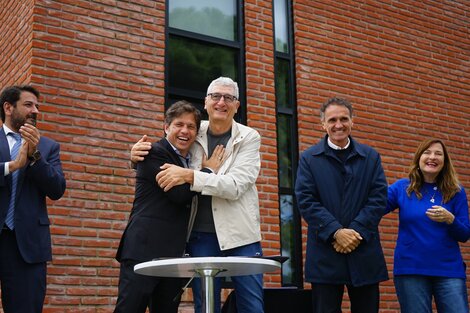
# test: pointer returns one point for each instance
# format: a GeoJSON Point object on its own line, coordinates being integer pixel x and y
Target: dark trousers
{"type": "Point", "coordinates": [327, 298]}
{"type": "Point", "coordinates": [23, 284]}
{"type": "Point", "coordinates": [137, 292]}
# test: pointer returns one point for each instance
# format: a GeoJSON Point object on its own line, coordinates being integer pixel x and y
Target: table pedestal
{"type": "Point", "coordinates": [207, 288]}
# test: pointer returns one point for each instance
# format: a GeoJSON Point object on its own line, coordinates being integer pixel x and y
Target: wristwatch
{"type": "Point", "coordinates": [35, 156]}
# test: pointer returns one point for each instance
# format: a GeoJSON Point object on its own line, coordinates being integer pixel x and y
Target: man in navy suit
{"type": "Point", "coordinates": [159, 221]}
{"type": "Point", "coordinates": [342, 194]}
{"type": "Point", "coordinates": [25, 181]}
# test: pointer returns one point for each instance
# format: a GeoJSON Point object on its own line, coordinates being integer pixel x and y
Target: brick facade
{"type": "Point", "coordinates": [100, 67]}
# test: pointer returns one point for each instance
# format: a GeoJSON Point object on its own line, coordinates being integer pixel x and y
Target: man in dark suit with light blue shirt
{"type": "Point", "coordinates": [159, 221]}
{"type": "Point", "coordinates": [30, 171]}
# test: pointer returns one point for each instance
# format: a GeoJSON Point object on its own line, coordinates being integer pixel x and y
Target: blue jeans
{"type": "Point", "coordinates": [248, 289]}
{"type": "Point", "coordinates": [415, 294]}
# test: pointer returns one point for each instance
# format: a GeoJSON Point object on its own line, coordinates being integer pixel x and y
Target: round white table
{"type": "Point", "coordinates": [207, 268]}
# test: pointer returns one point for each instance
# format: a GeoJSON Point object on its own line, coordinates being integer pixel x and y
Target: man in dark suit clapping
{"type": "Point", "coordinates": [30, 171]}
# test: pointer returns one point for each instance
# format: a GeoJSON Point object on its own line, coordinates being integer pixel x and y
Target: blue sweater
{"type": "Point", "coordinates": [425, 247]}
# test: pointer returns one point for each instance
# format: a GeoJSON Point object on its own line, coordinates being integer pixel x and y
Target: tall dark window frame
{"type": "Point", "coordinates": [196, 97]}
{"type": "Point", "coordinates": [289, 112]}
{"type": "Point", "coordinates": [173, 94]}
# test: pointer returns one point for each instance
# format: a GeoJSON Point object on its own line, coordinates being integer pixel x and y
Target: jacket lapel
{"type": "Point", "coordinates": [4, 149]}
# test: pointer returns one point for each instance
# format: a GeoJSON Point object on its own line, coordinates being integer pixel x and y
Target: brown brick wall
{"type": "Point", "coordinates": [261, 115]}
{"type": "Point", "coordinates": [405, 67]}
{"type": "Point", "coordinates": [100, 67]}
{"type": "Point", "coordinates": [15, 41]}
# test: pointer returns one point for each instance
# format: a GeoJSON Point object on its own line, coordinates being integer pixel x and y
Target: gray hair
{"type": "Point", "coordinates": [335, 101]}
{"type": "Point", "coordinates": [226, 82]}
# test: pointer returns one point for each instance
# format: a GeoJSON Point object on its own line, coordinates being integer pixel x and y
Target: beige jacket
{"type": "Point", "coordinates": [235, 204]}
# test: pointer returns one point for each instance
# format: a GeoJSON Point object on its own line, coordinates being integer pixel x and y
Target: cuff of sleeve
{"type": "Point", "coordinates": [364, 232]}
{"type": "Point", "coordinates": [335, 233]}
{"type": "Point", "coordinates": [7, 168]}
{"type": "Point", "coordinates": [326, 233]}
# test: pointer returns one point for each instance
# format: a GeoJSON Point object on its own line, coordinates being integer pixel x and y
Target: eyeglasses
{"type": "Point", "coordinates": [227, 98]}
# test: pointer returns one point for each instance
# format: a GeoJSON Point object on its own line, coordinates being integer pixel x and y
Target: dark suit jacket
{"type": "Point", "coordinates": [333, 194]}
{"type": "Point", "coordinates": [35, 182]}
{"type": "Point", "coordinates": [158, 224]}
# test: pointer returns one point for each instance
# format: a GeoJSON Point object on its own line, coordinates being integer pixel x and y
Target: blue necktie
{"type": "Point", "coordinates": [14, 182]}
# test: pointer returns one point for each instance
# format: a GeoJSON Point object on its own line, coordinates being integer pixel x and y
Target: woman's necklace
{"type": "Point", "coordinates": [432, 198]}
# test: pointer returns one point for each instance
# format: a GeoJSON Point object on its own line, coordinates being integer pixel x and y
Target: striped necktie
{"type": "Point", "coordinates": [14, 182]}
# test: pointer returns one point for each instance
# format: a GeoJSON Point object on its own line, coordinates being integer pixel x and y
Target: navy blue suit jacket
{"type": "Point", "coordinates": [332, 194]}
{"type": "Point", "coordinates": [159, 221]}
{"type": "Point", "coordinates": [35, 182]}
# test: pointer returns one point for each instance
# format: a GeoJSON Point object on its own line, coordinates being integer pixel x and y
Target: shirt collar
{"type": "Point", "coordinates": [335, 147]}
{"type": "Point", "coordinates": [186, 160]}
{"type": "Point", "coordinates": [7, 130]}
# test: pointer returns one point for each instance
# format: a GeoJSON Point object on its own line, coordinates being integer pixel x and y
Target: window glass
{"type": "Point", "coordinates": [208, 17]}
{"type": "Point", "coordinates": [198, 103]}
{"type": "Point", "coordinates": [280, 26]}
{"type": "Point", "coordinates": [192, 65]}
{"type": "Point", "coordinates": [287, 238]}
{"type": "Point", "coordinates": [283, 97]}
{"type": "Point", "coordinates": [287, 145]}
{"type": "Point", "coordinates": [284, 135]}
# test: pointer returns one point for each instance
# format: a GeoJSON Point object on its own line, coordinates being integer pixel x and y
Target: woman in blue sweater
{"type": "Point", "coordinates": [433, 219]}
